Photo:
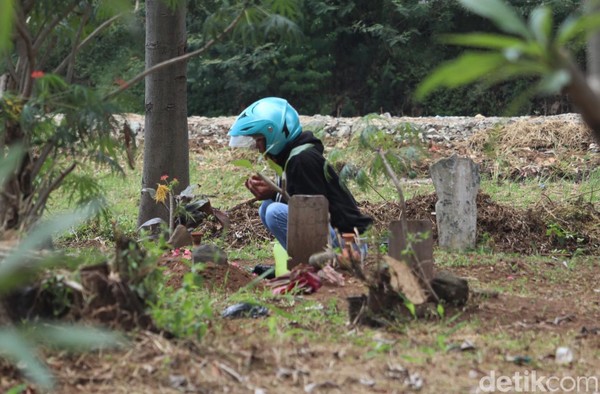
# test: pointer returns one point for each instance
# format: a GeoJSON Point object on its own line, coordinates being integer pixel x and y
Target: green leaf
{"type": "Point", "coordinates": [336, 155]}
{"type": "Point", "coordinates": [296, 151]}
{"type": "Point", "coordinates": [440, 310]}
{"type": "Point", "coordinates": [275, 167]}
{"type": "Point", "coordinates": [150, 191]}
{"type": "Point", "coordinates": [299, 149]}
{"type": "Point", "coordinates": [109, 8]}
{"type": "Point", "coordinates": [502, 14]}
{"type": "Point", "coordinates": [540, 23]}
{"type": "Point", "coordinates": [554, 82]}
{"type": "Point", "coordinates": [517, 70]}
{"type": "Point", "coordinates": [362, 179]}
{"type": "Point", "coordinates": [461, 71]}
{"type": "Point", "coordinates": [410, 306]}
{"type": "Point", "coordinates": [14, 347]}
{"type": "Point", "coordinates": [19, 264]}
{"type": "Point", "coordinates": [492, 41]}
{"type": "Point", "coordinates": [243, 163]}
{"type": "Point", "coordinates": [17, 389]}
{"type": "Point", "coordinates": [286, 8]}
{"type": "Point", "coordinates": [377, 167]}
{"type": "Point", "coordinates": [6, 23]}
{"type": "Point", "coordinates": [77, 337]}
{"type": "Point", "coordinates": [573, 27]}
{"type": "Point", "coordinates": [326, 171]}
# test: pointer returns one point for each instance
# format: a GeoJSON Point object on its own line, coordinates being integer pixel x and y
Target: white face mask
{"type": "Point", "coordinates": [242, 141]}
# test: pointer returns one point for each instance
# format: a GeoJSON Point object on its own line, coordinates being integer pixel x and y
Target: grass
{"type": "Point", "coordinates": [527, 193]}
{"type": "Point", "coordinates": [258, 252]}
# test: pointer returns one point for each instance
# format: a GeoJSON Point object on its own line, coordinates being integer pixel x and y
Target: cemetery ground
{"type": "Point", "coordinates": [534, 305]}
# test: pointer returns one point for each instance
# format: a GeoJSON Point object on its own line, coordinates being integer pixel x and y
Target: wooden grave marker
{"type": "Point", "coordinates": [421, 261]}
{"type": "Point", "coordinates": [308, 227]}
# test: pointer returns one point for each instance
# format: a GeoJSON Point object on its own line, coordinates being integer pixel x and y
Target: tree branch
{"type": "Point", "coordinates": [44, 33]}
{"type": "Point", "coordinates": [86, 40]}
{"type": "Point", "coordinates": [583, 96]}
{"type": "Point", "coordinates": [43, 57]}
{"type": "Point", "coordinates": [41, 202]}
{"type": "Point", "coordinates": [394, 178]}
{"type": "Point", "coordinates": [71, 57]}
{"type": "Point", "coordinates": [25, 82]}
{"type": "Point", "coordinates": [274, 186]}
{"type": "Point", "coordinates": [177, 59]}
{"type": "Point", "coordinates": [39, 161]}
{"type": "Point", "coordinates": [12, 72]}
{"type": "Point", "coordinates": [404, 223]}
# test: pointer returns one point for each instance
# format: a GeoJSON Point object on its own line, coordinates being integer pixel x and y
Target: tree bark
{"type": "Point", "coordinates": [166, 146]}
{"type": "Point", "coordinates": [593, 53]}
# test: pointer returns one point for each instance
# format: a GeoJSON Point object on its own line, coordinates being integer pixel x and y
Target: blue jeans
{"type": "Point", "coordinates": [274, 216]}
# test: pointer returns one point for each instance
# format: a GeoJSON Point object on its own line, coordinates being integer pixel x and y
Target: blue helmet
{"type": "Point", "coordinates": [272, 117]}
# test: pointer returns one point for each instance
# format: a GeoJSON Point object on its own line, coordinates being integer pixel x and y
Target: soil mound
{"type": "Point", "coordinates": [542, 229]}
{"type": "Point", "coordinates": [226, 277]}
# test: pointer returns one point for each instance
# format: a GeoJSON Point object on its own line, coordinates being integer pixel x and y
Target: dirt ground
{"type": "Point", "coordinates": [520, 311]}
{"type": "Point", "coordinates": [501, 332]}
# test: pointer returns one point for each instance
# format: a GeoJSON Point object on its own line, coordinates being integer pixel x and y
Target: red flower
{"type": "Point", "coordinates": [37, 74]}
{"type": "Point", "coordinates": [164, 177]}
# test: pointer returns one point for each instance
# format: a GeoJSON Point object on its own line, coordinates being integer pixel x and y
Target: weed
{"type": "Point", "coordinates": [184, 312]}
{"type": "Point", "coordinates": [486, 245]}
{"type": "Point", "coordinates": [251, 252]}
{"type": "Point", "coordinates": [441, 311]}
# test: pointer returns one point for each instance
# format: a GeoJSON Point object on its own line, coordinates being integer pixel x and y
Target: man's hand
{"type": "Point", "coordinates": [260, 188]}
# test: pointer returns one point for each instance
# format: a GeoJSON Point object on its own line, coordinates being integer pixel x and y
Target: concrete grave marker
{"type": "Point", "coordinates": [456, 180]}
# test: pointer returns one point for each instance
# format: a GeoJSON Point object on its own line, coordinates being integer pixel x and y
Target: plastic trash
{"type": "Point", "coordinates": [244, 309]}
{"type": "Point", "coordinates": [564, 355]}
{"type": "Point", "coordinates": [262, 268]}
{"type": "Point", "coordinates": [281, 259]}
{"type": "Point", "coordinates": [301, 279]}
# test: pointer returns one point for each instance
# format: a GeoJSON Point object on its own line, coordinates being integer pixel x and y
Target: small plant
{"type": "Point", "coordinates": [558, 234]}
{"type": "Point", "coordinates": [535, 48]}
{"type": "Point", "coordinates": [163, 194]}
{"type": "Point", "coordinates": [383, 153]}
{"type": "Point", "coordinates": [19, 343]}
{"type": "Point", "coordinates": [182, 312]}
{"type": "Point", "coordinates": [264, 164]}
{"type": "Point", "coordinates": [486, 244]}
{"type": "Point", "coordinates": [186, 208]}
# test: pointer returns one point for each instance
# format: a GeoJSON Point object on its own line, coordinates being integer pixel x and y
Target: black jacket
{"type": "Point", "coordinates": [305, 174]}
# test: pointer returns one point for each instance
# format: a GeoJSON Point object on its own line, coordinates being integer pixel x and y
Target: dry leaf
{"type": "Point", "coordinates": [404, 281]}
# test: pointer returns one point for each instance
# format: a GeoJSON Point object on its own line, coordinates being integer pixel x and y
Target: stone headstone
{"type": "Point", "coordinates": [450, 288]}
{"type": "Point", "coordinates": [456, 180]}
{"type": "Point", "coordinates": [209, 253]}
{"type": "Point", "coordinates": [180, 237]}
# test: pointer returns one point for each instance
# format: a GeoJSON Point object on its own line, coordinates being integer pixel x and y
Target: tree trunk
{"type": "Point", "coordinates": [166, 146]}
{"type": "Point", "coordinates": [593, 54]}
